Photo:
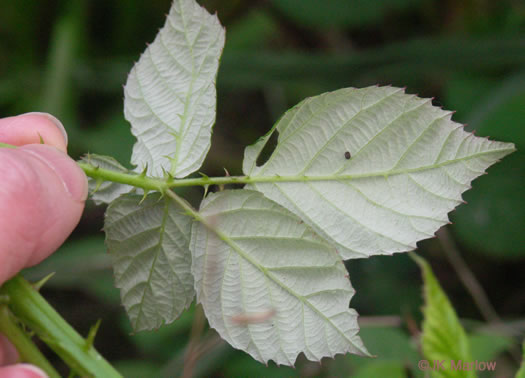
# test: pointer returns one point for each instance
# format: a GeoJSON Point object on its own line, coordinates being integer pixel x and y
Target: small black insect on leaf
{"type": "Point", "coordinates": [347, 155]}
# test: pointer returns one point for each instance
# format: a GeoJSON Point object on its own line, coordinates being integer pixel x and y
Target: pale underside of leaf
{"type": "Point", "coordinates": [409, 165]}
{"type": "Point", "coordinates": [105, 191]}
{"type": "Point", "coordinates": [148, 241]}
{"type": "Point", "coordinates": [255, 260]}
{"type": "Point", "coordinates": [170, 96]}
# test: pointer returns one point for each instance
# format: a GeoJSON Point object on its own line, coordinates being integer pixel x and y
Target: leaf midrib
{"type": "Point", "coordinates": [159, 245]}
{"type": "Point", "coordinates": [294, 178]}
{"type": "Point", "coordinates": [270, 276]}
{"type": "Point", "coordinates": [189, 93]}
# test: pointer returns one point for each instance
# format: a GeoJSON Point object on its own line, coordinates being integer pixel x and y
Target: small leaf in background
{"type": "Point", "coordinates": [521, 371]}
{"type": "Point", "coordinates": [339, 13]}
{"type": "Point", "coordinates": [268, 284]}
{"type": "Point", "coordinates": [252, 31]}
{"type": "Point", "coordinates": [390, 369]}
{"type": "Point", "coordinates": [397, 272]}
{"type": "Point", "coordinates": [110, 136]}
{"type": "Point", "coordinates": [73, 270]}
{"type": "Point", "coordinates": [243, 365]}
{"type": "Point", "coordinates": [487, 347]}
{"type": "Point", "coordinates": [496, 205]}
{"type": "Point", "coordinates": [409, 165]}
{"type": "Point", "coordinates": [148, 242]}
{"type": "Point", "coordinates": [404, 356]}
{"type": "Point", "coordinates": [405, 351]}
{"type": "Point", "coordinates": [495, 209]}
{"type": "Point", "coordinates": [107, 191]}
{"type": "Point", "coordinates": [443, 336]}
{"type": "Point", "coordinates": [170, 96]}
{"type": "Point", "coordinates": [165, 342]}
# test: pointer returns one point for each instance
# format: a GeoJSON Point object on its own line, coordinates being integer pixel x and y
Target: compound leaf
{"type": "Point", "coordinates": [105, 191]}
{"type": "Point", "coordinates": [268, 284]}
{"type": "Point", "coordinates": [148, 242]}
{"type": "Point", "coordinates": [170, 96]}
{"type": "Point", "coordinates": [372, 170]}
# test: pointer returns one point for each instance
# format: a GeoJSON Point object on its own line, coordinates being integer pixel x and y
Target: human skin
{"type": "Point", "coordinates": [42, 196]}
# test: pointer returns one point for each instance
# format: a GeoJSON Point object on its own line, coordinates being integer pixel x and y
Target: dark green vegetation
{"type": "Point", "coordinates": [71, 59]}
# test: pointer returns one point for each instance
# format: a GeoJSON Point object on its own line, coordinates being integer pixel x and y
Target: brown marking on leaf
{"type": "Point", "coordinates": [253, 318]}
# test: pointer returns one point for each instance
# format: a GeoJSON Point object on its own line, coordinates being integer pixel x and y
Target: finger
{"type": "Point", "coordinates": [33, 128]}
{"type": "Point", "coordinates": [8, 353]}
{"type": "Point", "coordinates": [42, 194]}
{"type": "Point", "coordinates": [22, 371]}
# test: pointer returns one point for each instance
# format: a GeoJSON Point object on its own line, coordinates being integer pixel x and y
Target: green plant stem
{"type": "Point", "coordinates": [149, 183]}
{"type": "Point", "coordinates": [162, 185]}
{"type": "Point", "coordinates": [188, 208]}
{"type": "Point", "coordinates": [33, 310]}
{"type": "Point", "coordinates": [27, 350]}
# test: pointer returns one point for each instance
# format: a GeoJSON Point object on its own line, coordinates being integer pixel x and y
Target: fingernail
{"type": "Point", "coordinates": [53, 119]}
{"type": "Point", "coordinates": [71, 175]}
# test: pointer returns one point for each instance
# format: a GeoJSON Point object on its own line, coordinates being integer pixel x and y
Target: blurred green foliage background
{"type": "Point", "coordinates": [71, 58]}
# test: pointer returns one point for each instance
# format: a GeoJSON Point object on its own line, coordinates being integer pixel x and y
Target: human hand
{"type": "Point", "coordinates": [42, 196]}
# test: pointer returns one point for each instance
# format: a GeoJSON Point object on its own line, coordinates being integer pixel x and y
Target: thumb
{"type": "Point", "coordinates": [42, 194]}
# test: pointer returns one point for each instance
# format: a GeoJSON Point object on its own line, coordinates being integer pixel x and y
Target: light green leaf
{"type": "Point", "coordinates": [443, 336]}
{"type": "Point", "coordinates": [409, 165]}
{"type": "Point", "coordinates": [170, 96]}
{"type": "Point", "coordinates": [105, 191]}
{"type": "Point", "coordinates": [521, 371]}
{"type": "Point", "coordinates": [268, 284]}
{"type": "Point", "coordinates": [148, 242]}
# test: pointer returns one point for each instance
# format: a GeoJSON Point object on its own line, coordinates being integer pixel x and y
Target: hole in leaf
{"type": "Point", "coordinates": [267, 150]}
